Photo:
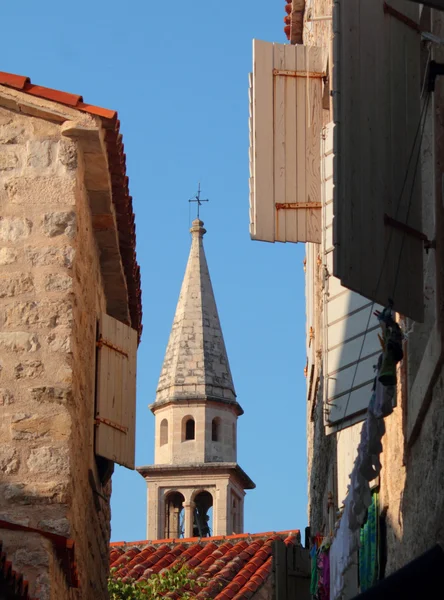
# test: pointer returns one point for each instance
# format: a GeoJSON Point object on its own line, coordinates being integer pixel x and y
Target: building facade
{"type": "Point", "coordinates": [196, 410]}
{"type": "Point", "coordinates": [366, 198]}
{"type": "Point", "coordinates": [71, 319]}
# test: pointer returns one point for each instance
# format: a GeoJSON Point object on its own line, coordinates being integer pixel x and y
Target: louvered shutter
{"type": "Point", "coordinates": [285, 125]}
{"type": "Point", "coordinates": [376, 100]}
{"type": "Point", "coordinates": [348, 383]}
{"type": "Point", "coordinates": [116, 392]}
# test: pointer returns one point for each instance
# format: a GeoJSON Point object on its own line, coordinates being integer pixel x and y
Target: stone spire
{"type": "Point", "coordinates": [195, 444]}
{"type": "Point", "coordinates": [196, 363]}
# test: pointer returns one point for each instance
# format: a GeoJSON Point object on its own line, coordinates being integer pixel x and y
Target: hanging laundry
{"type": "Point", "coordinates": [324, 570]}
{"type": "Point", "coordinates": [314, 570]}
{"type": "Point", "coordinates": [367, 464]}
{"type": "Point", "coordinates": [368, 548]}
{"type": "Point", "coordinates": [392, 341]}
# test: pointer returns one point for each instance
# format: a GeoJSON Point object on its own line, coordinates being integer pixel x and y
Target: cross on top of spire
{"type": "Point", "coordinates": [198, 200]}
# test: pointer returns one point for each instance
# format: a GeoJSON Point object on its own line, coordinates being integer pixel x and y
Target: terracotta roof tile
{"type": "Point", "coordinates": [119, 181]}
{"type": "Point", "coordinates": [229, 567]}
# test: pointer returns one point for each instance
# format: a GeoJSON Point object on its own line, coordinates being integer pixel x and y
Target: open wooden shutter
{"type": "Point", "coordinates": [116, 392]}
{"type": "Point", "coordinates": [348, 380]}
{"type": "Point", "coordinates": [376, 100]}
{"type": "Point", "coordinates": [285, 125]}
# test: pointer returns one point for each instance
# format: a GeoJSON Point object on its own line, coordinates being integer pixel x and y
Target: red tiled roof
{"type": "Point", "coordinates": [231, 567]}
{"type": "Point", "coordinates": [11, 582]}
{"type": "Point", "coordinates": [119, 180]}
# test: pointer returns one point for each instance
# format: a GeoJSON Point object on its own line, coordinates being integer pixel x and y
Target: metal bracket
{"type": "Point", "coordinates": [310, 74]}
{"type": "Point", "coordinates": [419, 235]}
{"type": "Point", "coordinates": [401, 17]}
{"type": "Point", "coordinates": [99, 420]}
{"type": "Point", "coordinates": [103, 342]}
{"type": "Point", "coordinates": [297, 205]}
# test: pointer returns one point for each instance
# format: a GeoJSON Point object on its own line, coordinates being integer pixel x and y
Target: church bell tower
{"type": "Point", "coordinates": [195, 487]}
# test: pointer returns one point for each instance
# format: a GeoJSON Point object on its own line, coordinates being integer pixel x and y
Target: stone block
{"type": "Point", "coordinates": [58, 282]}
{"type": "Point", "coordinates": [49, 255]}
{"type": "Point", "coordinates": [38, 153]}
{"type": "Point", "coordinates": [53, 313]}
{"type": "Point", "coordinates": [58, 342]}
{"type": "Point", "coordinates": [14, 519]}
{"type": "Point", "coordinates": [44, 129]}
{"type": "Point", "coordinates": [49, 461]}
{"type": "Point", "coordinates": [56, 427]}
{"type": "Point", "coordinates": [8, 256]}
{"type": "Point", "coordinates": [6, 397]}
{"type": "Point", "coordinates": [42, 587]}
{"type": "Point", "coordinates": [11, 133]}
{"type": "Point", "coordinates": [31, 558]}
{"type": "Point", "coordinates": [64, 374]}
{"type": "Point", "coordinates": [19, 341]}
{"type": "Point", "coordinates": [41, 190]}
{"type": "Point", "coordinates": [28, 369]}
{"type": "Point", "coordinates": [44, 394]}
{"type": "Point", "coordinates": [59, 526]}
{"type": "Point", "coordinates": [13, 229]}
{"type": "Point", "coordinates": [8, 158]}
{"type": "Point", "coordinates": [59, 223]}
{"type": "Point", "coordinates": [9, 460]}
{"type": "Point", "coordinates": [15, 284]}
{"type": "Point", "coordinates": [68, 154]}
{"type": "Point", "coordinates": [42, 493]}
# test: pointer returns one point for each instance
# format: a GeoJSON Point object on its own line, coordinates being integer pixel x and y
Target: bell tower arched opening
{"type": "Point", "coordinates": [174, 515]}
{"type": "Point", "coordinates": [188, 429]}
{"type": "Point", "coordinates": [203, 514]}
{"type": "Point", "coordinates": [216, 430]}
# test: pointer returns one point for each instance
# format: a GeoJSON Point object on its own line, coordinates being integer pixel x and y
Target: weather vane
{"type": "Point", "coordinates": [199, 201]}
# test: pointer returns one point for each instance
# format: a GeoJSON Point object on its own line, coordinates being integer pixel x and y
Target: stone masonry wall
{"type": "Point", "coordinates": [50, 297]}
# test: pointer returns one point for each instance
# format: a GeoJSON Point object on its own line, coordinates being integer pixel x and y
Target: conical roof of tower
{"type": "Point", "coordinates": [196, 363]}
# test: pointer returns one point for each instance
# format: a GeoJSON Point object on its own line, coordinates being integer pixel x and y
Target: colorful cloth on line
{"type": "Point", "coordinates": [368, 550]}
{"type": "Point", "coordinates": [314, 571]}
{"type": "Point", "coordinates": [324, 575]}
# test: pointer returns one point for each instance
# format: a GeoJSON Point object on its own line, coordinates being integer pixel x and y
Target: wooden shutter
{"type": "Point", "coordinates": [376, 100]}
{"type": "Point", "coordinates": [285, 125]}
{"type": "Point", "coordinates": [291, 567]}
{"type": "Point", "coordinates": [116, 392]}
{"type": "Point", "coordinates": [348, 380]}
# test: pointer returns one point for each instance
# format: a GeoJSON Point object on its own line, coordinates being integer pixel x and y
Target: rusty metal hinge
{"type": "Point", "coordinates": [104, 342]}
{"type": "Point", "coordinates": [419, 235]}
{"type": "Point", "coordinates": [297, 205]}
{"type": "Point", "coordinates": [122, 428]}
{"type": "Point", "coordinates": [287, 73]}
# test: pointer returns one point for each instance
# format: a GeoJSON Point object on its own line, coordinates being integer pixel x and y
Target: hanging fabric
{"type": "Point", "coordinates": [367, 464]}
{"type": "Point", "coordinates": [368, 547]}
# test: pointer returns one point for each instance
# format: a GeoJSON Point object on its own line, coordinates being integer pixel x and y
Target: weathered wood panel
{"type": "Point", "coordinates": [285, 125]}
{"type": "Point", "coordinates": [116, 392]}
{"type": "Point", "coordinates": [377, 113]}
{"type": "Point", "coordinates": [291, 566]}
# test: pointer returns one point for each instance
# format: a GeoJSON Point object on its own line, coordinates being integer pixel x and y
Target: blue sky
{"type": "Point", "coordinates": [178, 75]}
